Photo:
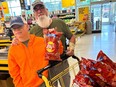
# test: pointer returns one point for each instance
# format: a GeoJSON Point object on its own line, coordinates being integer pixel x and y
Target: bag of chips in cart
{"type": "Point", "coordinates": [108, 67]}
{"type": "Point", "coordinates": [87, 67]}
{"type": "Point", "coordinates": [101, 71]}
{"type": "Point", "coordinates": [84, 80]}
{"type": "Point", "coordinates": [105, 59]}
{"type": "Point", "coordinates": [53, 44]}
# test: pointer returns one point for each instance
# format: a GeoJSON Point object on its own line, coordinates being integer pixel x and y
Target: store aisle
{"type": "Point", "coordinates": [109, 28]}
{"type": "Point", "coordinates": [88, 46]}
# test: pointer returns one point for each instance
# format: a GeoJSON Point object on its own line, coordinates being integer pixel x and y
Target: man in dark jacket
{"type": "Point", "coordinates": [43, 21]}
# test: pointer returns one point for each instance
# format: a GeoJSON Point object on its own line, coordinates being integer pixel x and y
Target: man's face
{"type": "Point", "coordinates": [20, 31]}
{"type": "Point", "coordinates": [41, 16]}
{"type": "Point", "coordinates": [40, 11]}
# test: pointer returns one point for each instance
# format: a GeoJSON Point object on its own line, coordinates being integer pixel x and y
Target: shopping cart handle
{"type": "Point", "coordinates": [51, 65]}
{"type": "Point", "coordinates": [75, 57]}
{"type": "Point", "coordinates": [42, 70]}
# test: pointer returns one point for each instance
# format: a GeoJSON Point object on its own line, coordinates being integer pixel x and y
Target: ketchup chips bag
{"type": "Point", "coordinates": [53, 44]}
{"type": "Point", "coordinates": [96, 73]}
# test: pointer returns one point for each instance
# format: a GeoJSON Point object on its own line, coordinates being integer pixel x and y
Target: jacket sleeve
{"type": "Point", "coordinates": [14, 71]}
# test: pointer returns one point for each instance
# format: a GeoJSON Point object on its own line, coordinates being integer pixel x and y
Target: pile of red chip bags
{"type": "Point", "coordinates": [96, 73]}
{"type": "Point", "coordinates": [53, 44]}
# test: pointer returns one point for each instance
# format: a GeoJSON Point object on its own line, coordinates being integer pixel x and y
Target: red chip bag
{"type": "Point", "coordinates": [84, 80]}
{"type": "Point", "coordinates": [53, 44]}
{"type": "Point", "coordinates": [105, 59]}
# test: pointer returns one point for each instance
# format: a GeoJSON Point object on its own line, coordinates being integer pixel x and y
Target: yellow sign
{"type": "Point", "coordinates": [68, 3]}
{"type": "Point", "coordinates": [1, 15]}
{"type": "Point", "coordinates": [83, 11]}
{"type": "Point", "coordinates": [5, 7]}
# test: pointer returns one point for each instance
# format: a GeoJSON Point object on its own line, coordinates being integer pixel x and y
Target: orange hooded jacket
{"type": "Point", "coordinates": [23, 62]}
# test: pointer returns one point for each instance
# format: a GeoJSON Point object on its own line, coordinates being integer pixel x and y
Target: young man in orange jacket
{"type": "Point", "coordinates": [27, 57]}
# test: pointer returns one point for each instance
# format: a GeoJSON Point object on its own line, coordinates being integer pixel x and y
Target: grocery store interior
{"type": "Point", "coordinates": [94, 33]}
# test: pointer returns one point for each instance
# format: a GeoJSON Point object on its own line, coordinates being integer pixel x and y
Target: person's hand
{"type": "Point", "coordinates": [70, 49]}
{"type": "Point", "coordinates": [70, 52]}
{"type": "Point", "coordinates": [15, 41]}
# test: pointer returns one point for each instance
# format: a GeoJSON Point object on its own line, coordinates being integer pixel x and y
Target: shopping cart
{"type": "Point", "coordinates": [96, 73]}
{"type": "Point", "coordinates": [58, 77]}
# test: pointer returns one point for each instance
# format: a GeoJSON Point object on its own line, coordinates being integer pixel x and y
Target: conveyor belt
{"type": "Point", "coordinates": [4, 71]}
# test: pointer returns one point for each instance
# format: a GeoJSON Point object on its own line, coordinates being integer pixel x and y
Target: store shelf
{"type": "Point", "coordinates": [71, 17]}
{"type": "Point", "coordinates": [64, 14]}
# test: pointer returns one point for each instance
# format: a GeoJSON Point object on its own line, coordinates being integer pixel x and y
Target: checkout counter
{"type": "Point", "coordinates": [4, 45]}
{"type": "Point", "coordinates": [5, 80]}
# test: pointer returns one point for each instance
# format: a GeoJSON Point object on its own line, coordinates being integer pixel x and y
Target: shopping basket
{"type": "Point", "coordinates": [58, 77]}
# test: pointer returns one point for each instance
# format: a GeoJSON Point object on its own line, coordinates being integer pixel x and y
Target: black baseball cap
{"type": "Point", "coordinates": [37, 2]}
{"type": "Point", "coordinates": [17, 20]}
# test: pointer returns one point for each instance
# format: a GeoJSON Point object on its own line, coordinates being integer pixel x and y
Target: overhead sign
{"type": "Point", "coordinates": [68, 3]}
{"type": "Point", "coordinates": [82, 11]}
{"type": "Point", "coordinates": [5, 7]}
{"type": "Point", "coordinates": [22, 3]}
{"type": "Point", "coordinates": [82, 0]}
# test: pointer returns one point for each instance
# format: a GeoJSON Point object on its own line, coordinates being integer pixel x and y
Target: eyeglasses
{"type": "Point", "coordinates": [16, 27]}
{"type": "Point", "coordinates": [38, 7]}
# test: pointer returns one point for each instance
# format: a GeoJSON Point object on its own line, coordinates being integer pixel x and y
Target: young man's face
{"type": "Point", "coordinates": [20, 31]}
